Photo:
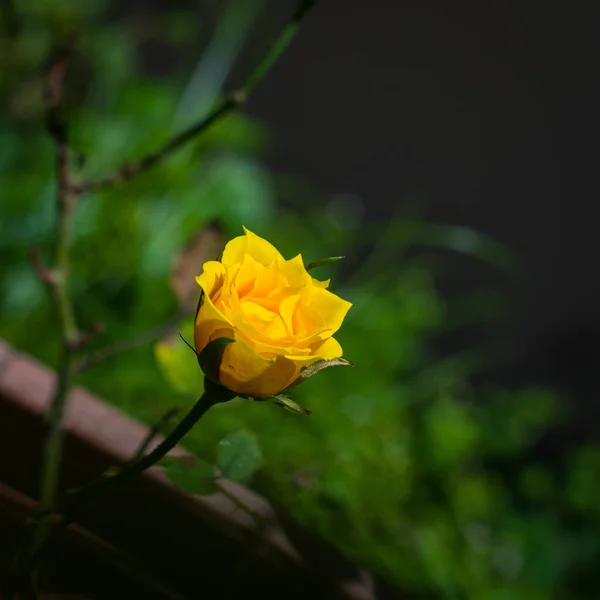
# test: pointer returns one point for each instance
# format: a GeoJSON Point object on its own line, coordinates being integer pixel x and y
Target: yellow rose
{"type": "Point", "coordinates": [280, 318]}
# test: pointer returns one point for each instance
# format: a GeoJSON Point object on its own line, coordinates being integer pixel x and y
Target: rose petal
{"type": "Point", "coordinates": [258, 248]}
{"type": "Point", "coordinates": [210, 319]}
{"type": "Point", "coordinates": [247, 275]}
{"type": "Point", "coordinates": [319, 309]}
{"type": "Point", "coordinates": [295, 274]}
{"type": "Point", "coordinates": [210, 325]}
{"type": "Point", "coordinates": [211, 277]}
{"type": "Point", "coordinates": [248, 374]}
{"type": "Point", "coordinates": [321, 284]}
{"type": "Point", "coordinates": [286, 310]}
{"type": "Point", "coordinates": [327, 349]}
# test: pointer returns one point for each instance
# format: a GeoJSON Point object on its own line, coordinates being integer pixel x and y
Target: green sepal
{"type": "Point", "coordinates": [288, 404]}
{"type": "Point", "coordinates": [313, 369]}
{"type": "Point", "coordinates": [323, 261]}
{"type": "Point", "coordinates": [211, 356]}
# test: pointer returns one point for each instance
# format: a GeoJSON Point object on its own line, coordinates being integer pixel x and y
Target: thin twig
{"type": "Point", "coordinates": [228, 104]}
{"type": "Point", "coordinates": [42, 272]}
{"type": "Point", "coordinates": [122, 346]}
{"type": "Point", "coordinates": [129, 170]}
{"type": "Point", "coordinates": [259, 520]}
{"type": "Point", "coordinates": [156, 430]}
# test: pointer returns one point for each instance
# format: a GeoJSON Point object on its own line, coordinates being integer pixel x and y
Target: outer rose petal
{"type": "Point", "coordinates": [248, 374]}
{"type": "Point", "coordinates": [319, 309]}
{"type": "Point", "coordinates": [211, 277]}
{"type": "Point", "coordinates": [245, 279]}
{"type": "Point", "coordinates": [258, 248]}
{"type": "Point", "coordinates": [210, 321]}
{"type": "Point", "coordinates": [322, 284]}
{"type": "Point", "coordinates": [210, 325]}
{"type": "Point", "coordinates": [328, 349]}
{"type": "Point", "coordinates": [295, 274]}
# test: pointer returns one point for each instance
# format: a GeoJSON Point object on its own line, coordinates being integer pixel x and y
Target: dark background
{"type": "Point", "coordinates": [489, 111]}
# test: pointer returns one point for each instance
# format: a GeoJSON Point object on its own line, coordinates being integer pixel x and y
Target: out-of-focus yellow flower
{"type": "Point", "coordinates": [281, 319]}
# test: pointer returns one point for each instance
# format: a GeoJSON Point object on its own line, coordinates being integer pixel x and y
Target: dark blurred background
{"type": "Point", "coordinates": [488, 114]}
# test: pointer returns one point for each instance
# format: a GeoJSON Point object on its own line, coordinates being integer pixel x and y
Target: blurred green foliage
{"type": "Point", "coordinates": [404, 466]}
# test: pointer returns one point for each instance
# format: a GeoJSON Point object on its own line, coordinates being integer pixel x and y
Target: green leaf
{"type": "Point", "coordinates": [318, 366]}
{"type": "Point", "coordinates": [239, 455]}
{"type": "Point", "coordinates": [190, 473]}
{"type": "Point", "coordinates": [323, 261]}
{"type": "Point", "coordinates": [179, 364]}
{"type": "Point", "coordinates": [289, 404]}
{"type": "Point", "coordinates": [211, 356]}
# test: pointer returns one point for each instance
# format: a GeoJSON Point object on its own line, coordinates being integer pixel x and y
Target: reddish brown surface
{"type": "Point", "coordinates": [194, 546]}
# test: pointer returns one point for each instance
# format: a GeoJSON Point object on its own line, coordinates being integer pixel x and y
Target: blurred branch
{"type": "Point", "coordinates": [142, 338]}
{"type": "Point", "coordinates": [55, 279]}
{"type": "Point", "coordinates": [129, 170]}
{"type": "Point", "coordinates": [228, 104]}
{"type": "Point", "coordinates": [156, 429]}
{"type": "Point", "coordinates": [259, 520]}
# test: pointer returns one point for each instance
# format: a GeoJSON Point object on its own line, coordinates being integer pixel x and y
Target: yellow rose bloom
{"type": "Point", "coordinates": [280, 318]}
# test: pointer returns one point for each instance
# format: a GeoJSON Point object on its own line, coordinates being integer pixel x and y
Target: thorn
{"type": "Point", "coordinates": [43, 273]}
{"type": "Point", "coordinates": [86, 337]}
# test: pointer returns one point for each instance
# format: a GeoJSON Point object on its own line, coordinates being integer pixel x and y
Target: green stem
{"type": "Point", "coordinates": [77, 500]}
{"type": "Point", "coordinates": [57, 282]}
{"type": "Point", "coordinates": [55, 279]}
{"type": "Point", "coordinates": [279, 47]}
{"type": "Point", "coordinates": [156, 430]}
{"type": "Point", "coordinates": [228, 104]}
{"type": "Point", "coordinates": [54, 439]}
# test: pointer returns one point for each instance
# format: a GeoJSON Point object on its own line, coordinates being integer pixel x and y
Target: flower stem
{"type": "Point", "coordinates": [76, 500]}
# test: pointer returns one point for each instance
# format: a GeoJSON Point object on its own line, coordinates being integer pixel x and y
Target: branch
{"type": "Point", "coordinates": [142, 338]}
{"type": "Point", "coordinates": [156, 429]}
{"type": "Point", "coordinates": [55, 280]}
{"type": "Point", "coordinates": [227, 105]}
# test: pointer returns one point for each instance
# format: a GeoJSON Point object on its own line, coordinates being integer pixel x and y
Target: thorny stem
{"type": "Point", "coordinates": [56, 282]}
